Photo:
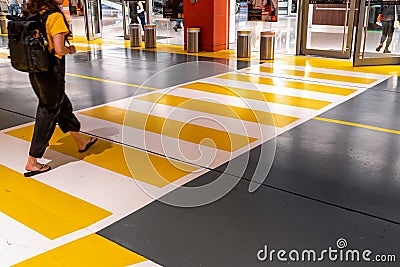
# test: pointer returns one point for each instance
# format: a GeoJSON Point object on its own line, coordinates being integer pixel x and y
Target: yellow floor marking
{"type": "Point", "coordinates": [109, 81]}
{"type": "Point", "coordinates": [337, 64]}
{"type": "Point", "coordinates": [258, 95]}
{"type": "Point", "coordinates": [42, 208]}
{"type": "Point", "coordinates": [85, 49]}
{"type": "Point", "coordinates": [91, 250]}
{"type": "Point", "coordinates": [176, 129]}
{"type": "Point", "coordinates": [138, 164]}
{"type": "Point", "coordinates": [290, 84]}
{"type": "Point", "coordinates": [220, 109]}
{"type": "Point", "coordinates": [379, 129]}
{"type": "Point", "coordinates": [317, 75]}
{"type": "Point", "coordinates": [100, 41]}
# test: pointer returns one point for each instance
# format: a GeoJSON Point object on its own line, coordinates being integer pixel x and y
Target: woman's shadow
{"type": "Point", "coordinates": [69, 150]}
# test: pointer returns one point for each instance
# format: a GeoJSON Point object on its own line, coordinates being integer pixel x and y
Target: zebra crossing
{"type": "Point", "coordinates": [157, 141]}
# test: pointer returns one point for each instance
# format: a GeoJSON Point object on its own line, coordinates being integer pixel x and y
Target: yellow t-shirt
{"type": "Point", "coordinates": [54, 25]}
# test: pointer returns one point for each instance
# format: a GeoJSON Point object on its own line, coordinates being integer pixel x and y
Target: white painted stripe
{"type": "Point", "coordinates": [251, 104]}
{"type": "Point", "coordinates": [277, 89]}
{"type": "Point", "coordinates": [171, 147]}
{"type": "Point", "coordinates": [324, 70]}
{"type": "Point", "coordinates": [302, 78]}
{"type": "Point", "coordinates": [231, 125]}
{"type": "Point", "coordinates": [145, 264]}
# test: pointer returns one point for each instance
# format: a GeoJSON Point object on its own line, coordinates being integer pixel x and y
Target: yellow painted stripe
{"type": "Point", "coordinates": [379, 129]}
{"type": "Point", "coordinates": [290, 84]}
{"type": "Point", "coordinates": [91, 250]}
{"type": "Point", "coordinates": [256, 116]}
{"type": "Point", "coordinates": [337, 64]}
{"type": "Point", "coordinates": [42, 208]}
{"type": "Point", "coordinates": [109, 81]}
{"type": "Point", "coordinates": [258, 95]}
{"type": "Point", "coordinates": [318, 75]}
{"type": "Point", "coordinates": [176, 129]}
{"type": "Point", "coordinates": [85, 48]}
{"type": "Point", "coordinates": [142, 166]}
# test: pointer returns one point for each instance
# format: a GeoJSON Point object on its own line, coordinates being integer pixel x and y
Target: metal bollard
{"type": "Point", "coordinates": [243, 44]}
{"type": "Point", "coordinates": [135, 35]}
{"type": "Point", "coordinates": [193, 40]}
{"type": "Point", "coordinates": [3, 24]}
{"type": "Point", "coordinates": [150, 36]}
{"type": "Point", "coordinates": [267, 45]}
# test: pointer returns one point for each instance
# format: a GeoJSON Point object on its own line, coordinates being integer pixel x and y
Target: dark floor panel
{"type": "Point", "coordinates": [231, 231]}
{"type": "Point", "coordinates": [379, 106]}
{"type": "Point", "coordinates": [10, 119]}
{"type": "Point", "coordinates": [348, 166]}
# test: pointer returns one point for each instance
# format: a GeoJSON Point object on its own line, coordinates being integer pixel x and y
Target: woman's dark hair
{"type": "Point", "coordinates": [35, 6]}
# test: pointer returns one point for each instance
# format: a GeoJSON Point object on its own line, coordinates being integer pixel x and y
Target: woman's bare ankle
{"type": "Point", "coordinates": [31, 164]}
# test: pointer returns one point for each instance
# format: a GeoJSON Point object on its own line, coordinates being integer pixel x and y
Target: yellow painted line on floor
{"type": "Point", "coordinates": [379, 129]}
{"type": "Point", "coordinates": [317, 75]}
{"type": "Point", "coordinates": [109, 81]}
{"type": "Point", "coordinates": [149, 168]}
{"type": "Point", "coordinates": [225, 110]}
{"type": "Point", "coordinates": [290, 84]}
{"type": "Point", "coordinates": [257, 95]}
{"type": "Point", "coordinates": [92, 250]}
{"type": "Point", "coordinates": [176, 129]}
{"type": "Point", "coordinates": [42, 208]}
{"type": "Point", "coordinates": [85, 48]}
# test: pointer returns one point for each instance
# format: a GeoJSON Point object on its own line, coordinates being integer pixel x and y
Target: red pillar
{"type": "Point", "coordinates": [211, 16]}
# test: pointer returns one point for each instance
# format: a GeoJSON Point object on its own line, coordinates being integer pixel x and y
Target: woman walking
{"type": "Point", "coordinates": [54, 106]}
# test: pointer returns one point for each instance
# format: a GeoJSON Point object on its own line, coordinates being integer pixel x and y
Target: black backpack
{"type": "Point", "coordinates": [27, 41]}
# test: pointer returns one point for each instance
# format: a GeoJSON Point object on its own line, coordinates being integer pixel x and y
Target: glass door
{"type": "Point", "coordinates": [92, 19]}
{"type": "Point", "coordinates": [325, 28]}
{"type": "Point", "coordinates": [378, 34]}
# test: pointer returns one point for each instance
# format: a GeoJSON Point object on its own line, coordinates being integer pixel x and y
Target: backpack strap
{"type": "Point", "coordinates": [43, 20]}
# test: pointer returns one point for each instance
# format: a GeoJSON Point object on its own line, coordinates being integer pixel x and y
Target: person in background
{"type": "Point", "coordinates": [141, 13]}
{"type": "Point", "coordinates": [133, 11]}
{"type": "Point", "coordinates": [177, 13]}
{"type": "Point", "coordinates": [49, 86]}
{"type": "Point", "coordinates": [178, 24]}
{"type": "Point", "coordinates": [388, 13]}
{"type": "Point", "coordinates": [13, 7]}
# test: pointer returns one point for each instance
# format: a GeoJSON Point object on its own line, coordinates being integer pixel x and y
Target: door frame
{"type": "Point", "coordinates": [302, 31]}
{"type": "Point", "coordinates": [89, 19]}
{"type": "Point", "coordinates": [359, 58]}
